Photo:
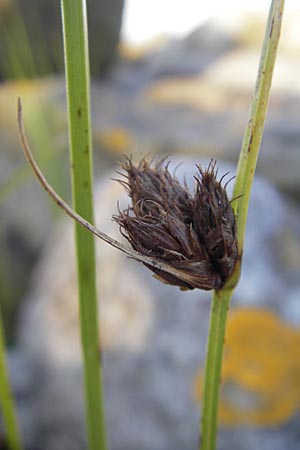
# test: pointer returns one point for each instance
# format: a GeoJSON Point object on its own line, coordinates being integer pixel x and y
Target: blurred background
{"type": "Point", "coordinates": [169, 78]}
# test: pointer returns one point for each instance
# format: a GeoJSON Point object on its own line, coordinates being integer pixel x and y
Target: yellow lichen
{"type": "Point", "coordinates": [117, 140]}
{"type": "Point", "coordinates": [196, 92]}
{"type": "Point", "coordinates": [260, 372]}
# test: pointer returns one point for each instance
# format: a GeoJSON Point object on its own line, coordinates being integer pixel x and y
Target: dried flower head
{"type": "Point", "coordinates": [195, 234]}
{"type": "Point", "coordinates": [186, 240]}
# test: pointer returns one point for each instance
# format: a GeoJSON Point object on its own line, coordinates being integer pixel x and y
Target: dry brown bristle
{"type": "Point", "coordinates": [193, 233]}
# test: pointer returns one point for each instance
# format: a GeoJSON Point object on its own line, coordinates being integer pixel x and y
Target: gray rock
{"type": "Point", "coordinates": [24, 225]}
{"type": "Point", "coordinates": [186, 97]}
{"type": "Point", "coordinates": [191, 95]}
{"type": "Point", "coordinates": [166, 105]}
{"type": "Point", "coordinates": [154, 335]}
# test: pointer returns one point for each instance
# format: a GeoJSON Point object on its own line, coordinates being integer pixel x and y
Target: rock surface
{"type": "Point", "coordinates": [153, 336]}
{"type": "Point", "coordinates": [186, 97]}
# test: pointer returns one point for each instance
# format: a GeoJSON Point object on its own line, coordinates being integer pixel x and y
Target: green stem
{"type": "Point", "coordinates": [78, 95]}
{"type": "Point", "coordinates": [256, 121]}
{"type": "Point", "coordinates": [210, 400]}
{"type": "Point", "coordinates": [245, 174]}
{"type": "Point", "coordinates": [6, 400]}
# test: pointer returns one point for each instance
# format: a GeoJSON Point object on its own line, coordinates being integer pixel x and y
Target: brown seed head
{"type": "Point", "coordinates": [194, 234]}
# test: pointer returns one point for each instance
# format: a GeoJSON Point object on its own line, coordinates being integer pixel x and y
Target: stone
{"type": "Point", "coordinates": [259, 373]}
{"type": "Point", "coordinates": [24, 225]}
{"type": "Point", "coordinates": [154, 335]}
{"type": "Point", "coordinates": [182, 98]}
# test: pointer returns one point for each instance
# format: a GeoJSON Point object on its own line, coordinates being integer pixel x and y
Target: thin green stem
{"type": "Point", "coordinates": [245, 174]}
{"type": "Point", "coordinates": [256, 121]}
{"type": "Point", "coordinates": [210, 399]}
{"type": "Point", "coordinates": [78, 95]}
{"type": "Point", "coordinates": [6, 400]}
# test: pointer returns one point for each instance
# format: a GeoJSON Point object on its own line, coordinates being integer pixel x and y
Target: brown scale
{"type": "Point", "coordinates": [193, 233]}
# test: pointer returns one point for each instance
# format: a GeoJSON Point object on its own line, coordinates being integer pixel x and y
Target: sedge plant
{"type": "Point", "coordinates": [141, 217]}
{"type": "Point", "coordinates": [241, 193]}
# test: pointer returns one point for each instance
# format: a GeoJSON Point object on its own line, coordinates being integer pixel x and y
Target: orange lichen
{"type": "Point", "coordinates": [260, 373]}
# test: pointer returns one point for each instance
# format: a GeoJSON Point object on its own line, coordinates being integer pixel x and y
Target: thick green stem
{"type": "Point", "coordinates": [78, 96]}
{"type": "Point", "coordinates": [6, 400]}
{"type": "Point", "coordinates": [242, 189]}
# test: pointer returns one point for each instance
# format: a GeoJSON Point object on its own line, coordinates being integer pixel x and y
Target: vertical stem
{"type": "Point", "coordinates": [256, 121]}
{"type": "Point", "coordinates": [242, 189]}
{"type": "Point", "coordinates": [213, 365]}
{"type": "Point", "coordinates": [78, 95]}
{"type": "Point", "coordinates": [6, 400]}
